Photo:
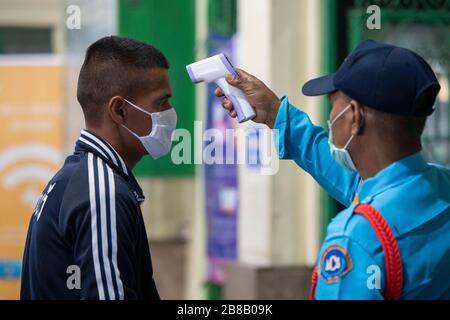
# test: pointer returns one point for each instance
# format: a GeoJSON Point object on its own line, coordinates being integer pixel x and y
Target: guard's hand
{"type": "Point", "coordinates": [260, 97]}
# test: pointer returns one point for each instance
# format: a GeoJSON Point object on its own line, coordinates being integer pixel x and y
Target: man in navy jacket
{"type": "Point", "coordinates": [87, 238]}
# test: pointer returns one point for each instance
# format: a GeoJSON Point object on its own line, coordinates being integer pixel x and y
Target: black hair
{"type": "Point", "coordinates": [114, 66]}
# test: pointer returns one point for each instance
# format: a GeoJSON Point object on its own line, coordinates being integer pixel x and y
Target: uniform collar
{"type": "Point", "coordinates": [391, 176]}
{"type": "Point", "coordinates": [98, 146]}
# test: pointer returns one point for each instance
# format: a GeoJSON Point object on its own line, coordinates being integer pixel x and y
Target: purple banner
{"type": "Point", "coordinates": [221, 185]}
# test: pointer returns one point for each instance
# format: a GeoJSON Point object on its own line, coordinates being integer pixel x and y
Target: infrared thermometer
{"type": "Point", "coordinates": [214, 69]}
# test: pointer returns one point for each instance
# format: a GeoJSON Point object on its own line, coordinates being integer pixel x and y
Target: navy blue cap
{"type": "Point", "coordinates": [383, 77]}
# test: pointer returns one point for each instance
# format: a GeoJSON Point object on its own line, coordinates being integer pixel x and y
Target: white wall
{"type": "Point", "coordinates": [279, 215]}
{"type": "Point", "coordinates": [98, 19]}
{"type": "Point", "coordinates": [279, 42]}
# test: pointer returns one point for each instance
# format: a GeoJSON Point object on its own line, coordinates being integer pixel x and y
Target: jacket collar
{"type": "Point", "coordinates": [92, 143]}
{"type": "Point", "coordinates": [391, 176]}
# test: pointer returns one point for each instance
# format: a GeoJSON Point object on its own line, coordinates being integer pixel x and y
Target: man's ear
{"type": "Point", "coordinates": [358, 117]}
{"type": "Point", "coordinates": [117, 110]}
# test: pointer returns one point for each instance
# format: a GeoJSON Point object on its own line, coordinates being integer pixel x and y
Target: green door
{"type": "Point", "coordinates": [420, 25]}
{"type": "Point", "coordinates": [170, 26]}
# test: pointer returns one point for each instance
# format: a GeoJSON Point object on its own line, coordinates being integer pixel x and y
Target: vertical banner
{"type": "Point", "coordinates": [221, 184]}
{"type": "Point", "coordinates": [31, 141]}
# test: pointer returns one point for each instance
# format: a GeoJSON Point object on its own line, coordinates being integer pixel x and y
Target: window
{"type": "Point", "coordinates": [17, 40]}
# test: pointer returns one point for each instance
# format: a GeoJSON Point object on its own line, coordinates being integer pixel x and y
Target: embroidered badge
{"type": "Point", "coordinates": [334, 263]}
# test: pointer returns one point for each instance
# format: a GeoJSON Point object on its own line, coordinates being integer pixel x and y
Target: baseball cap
{"type": "Point", "coordinates": [383, 77]}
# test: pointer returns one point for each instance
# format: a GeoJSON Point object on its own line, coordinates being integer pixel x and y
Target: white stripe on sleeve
{"type": "Point", "coordinates": [104, 229]}
{"type": "Point", "coordinates": [93, 205]}
{"type": "Point", "coordinates": [112, 196]}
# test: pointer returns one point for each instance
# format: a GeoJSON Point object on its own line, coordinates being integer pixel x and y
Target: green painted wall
{"type": "Point", "coordinates": [328, 65]}
{"type": "Point", "coordinates": [170, 26]}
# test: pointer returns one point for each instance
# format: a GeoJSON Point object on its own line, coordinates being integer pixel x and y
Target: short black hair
{"type": "Point", "coordinates": [114, 66]}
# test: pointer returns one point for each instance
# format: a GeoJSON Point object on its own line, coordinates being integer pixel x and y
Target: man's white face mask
{"type": "Point", "coordinates": [341, 155]}
{"type": "Point", "coordinates": [159, 141]}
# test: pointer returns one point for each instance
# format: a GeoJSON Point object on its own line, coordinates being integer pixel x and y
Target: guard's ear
{"type": "Point", "coordinates": [117, 110]}
{"type": "Point", "coordinates": [358, 117]}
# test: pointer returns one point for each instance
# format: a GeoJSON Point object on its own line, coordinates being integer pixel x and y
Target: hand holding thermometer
{"type": "Point", "coordinates": [214, 69]}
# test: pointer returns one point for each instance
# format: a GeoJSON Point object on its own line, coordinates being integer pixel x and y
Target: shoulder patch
{"type": "Point", "coordinates": [334, 263]}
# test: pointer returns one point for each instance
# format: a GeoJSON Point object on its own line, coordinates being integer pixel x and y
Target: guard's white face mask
{"type": "Point", "coordinates": [341, 155]}
{"type": "Point", "coordinates": [159, 141]}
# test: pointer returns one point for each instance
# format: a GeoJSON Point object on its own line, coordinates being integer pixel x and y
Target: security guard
{"type": "Point", "coordinates": [371, 163]}
{"type": "Point", "coordinates": [87, 238]}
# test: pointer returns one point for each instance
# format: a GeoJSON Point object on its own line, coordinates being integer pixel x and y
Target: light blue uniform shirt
{"type": "Point", "coordinates": [411, 194]}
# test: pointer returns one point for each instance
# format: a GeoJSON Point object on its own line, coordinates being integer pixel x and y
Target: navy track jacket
{"type": "Point", "coordinates": [87, 238]}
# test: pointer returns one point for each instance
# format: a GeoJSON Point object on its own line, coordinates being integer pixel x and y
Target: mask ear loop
{"type": "Point", "coordinates": [152, 133]}
{"type": "Point", "coordinates": [348, 142]}
{"type": "Point", "coordinates": [360, 126]}
{"type": "Point", "coordinates": [139, 108]}
{"type": "Point", "coordinates": [340, 114]}
{"type": "Point", "coordinates": [134, 134]}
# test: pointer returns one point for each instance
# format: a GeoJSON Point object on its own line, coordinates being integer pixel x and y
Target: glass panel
{"type": "Point", "coordinates": [25, 40]}
{"type": "Point", "coordinates": [433, 43]}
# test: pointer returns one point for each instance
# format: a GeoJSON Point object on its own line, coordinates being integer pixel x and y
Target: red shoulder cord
{"type": "Point", "coordinates": [392, 258]}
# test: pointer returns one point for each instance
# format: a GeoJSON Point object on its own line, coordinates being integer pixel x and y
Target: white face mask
{"type": "Point", "coordinates": [159, 141]}
{"type": "Point", "coordinates": [341, 155]}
